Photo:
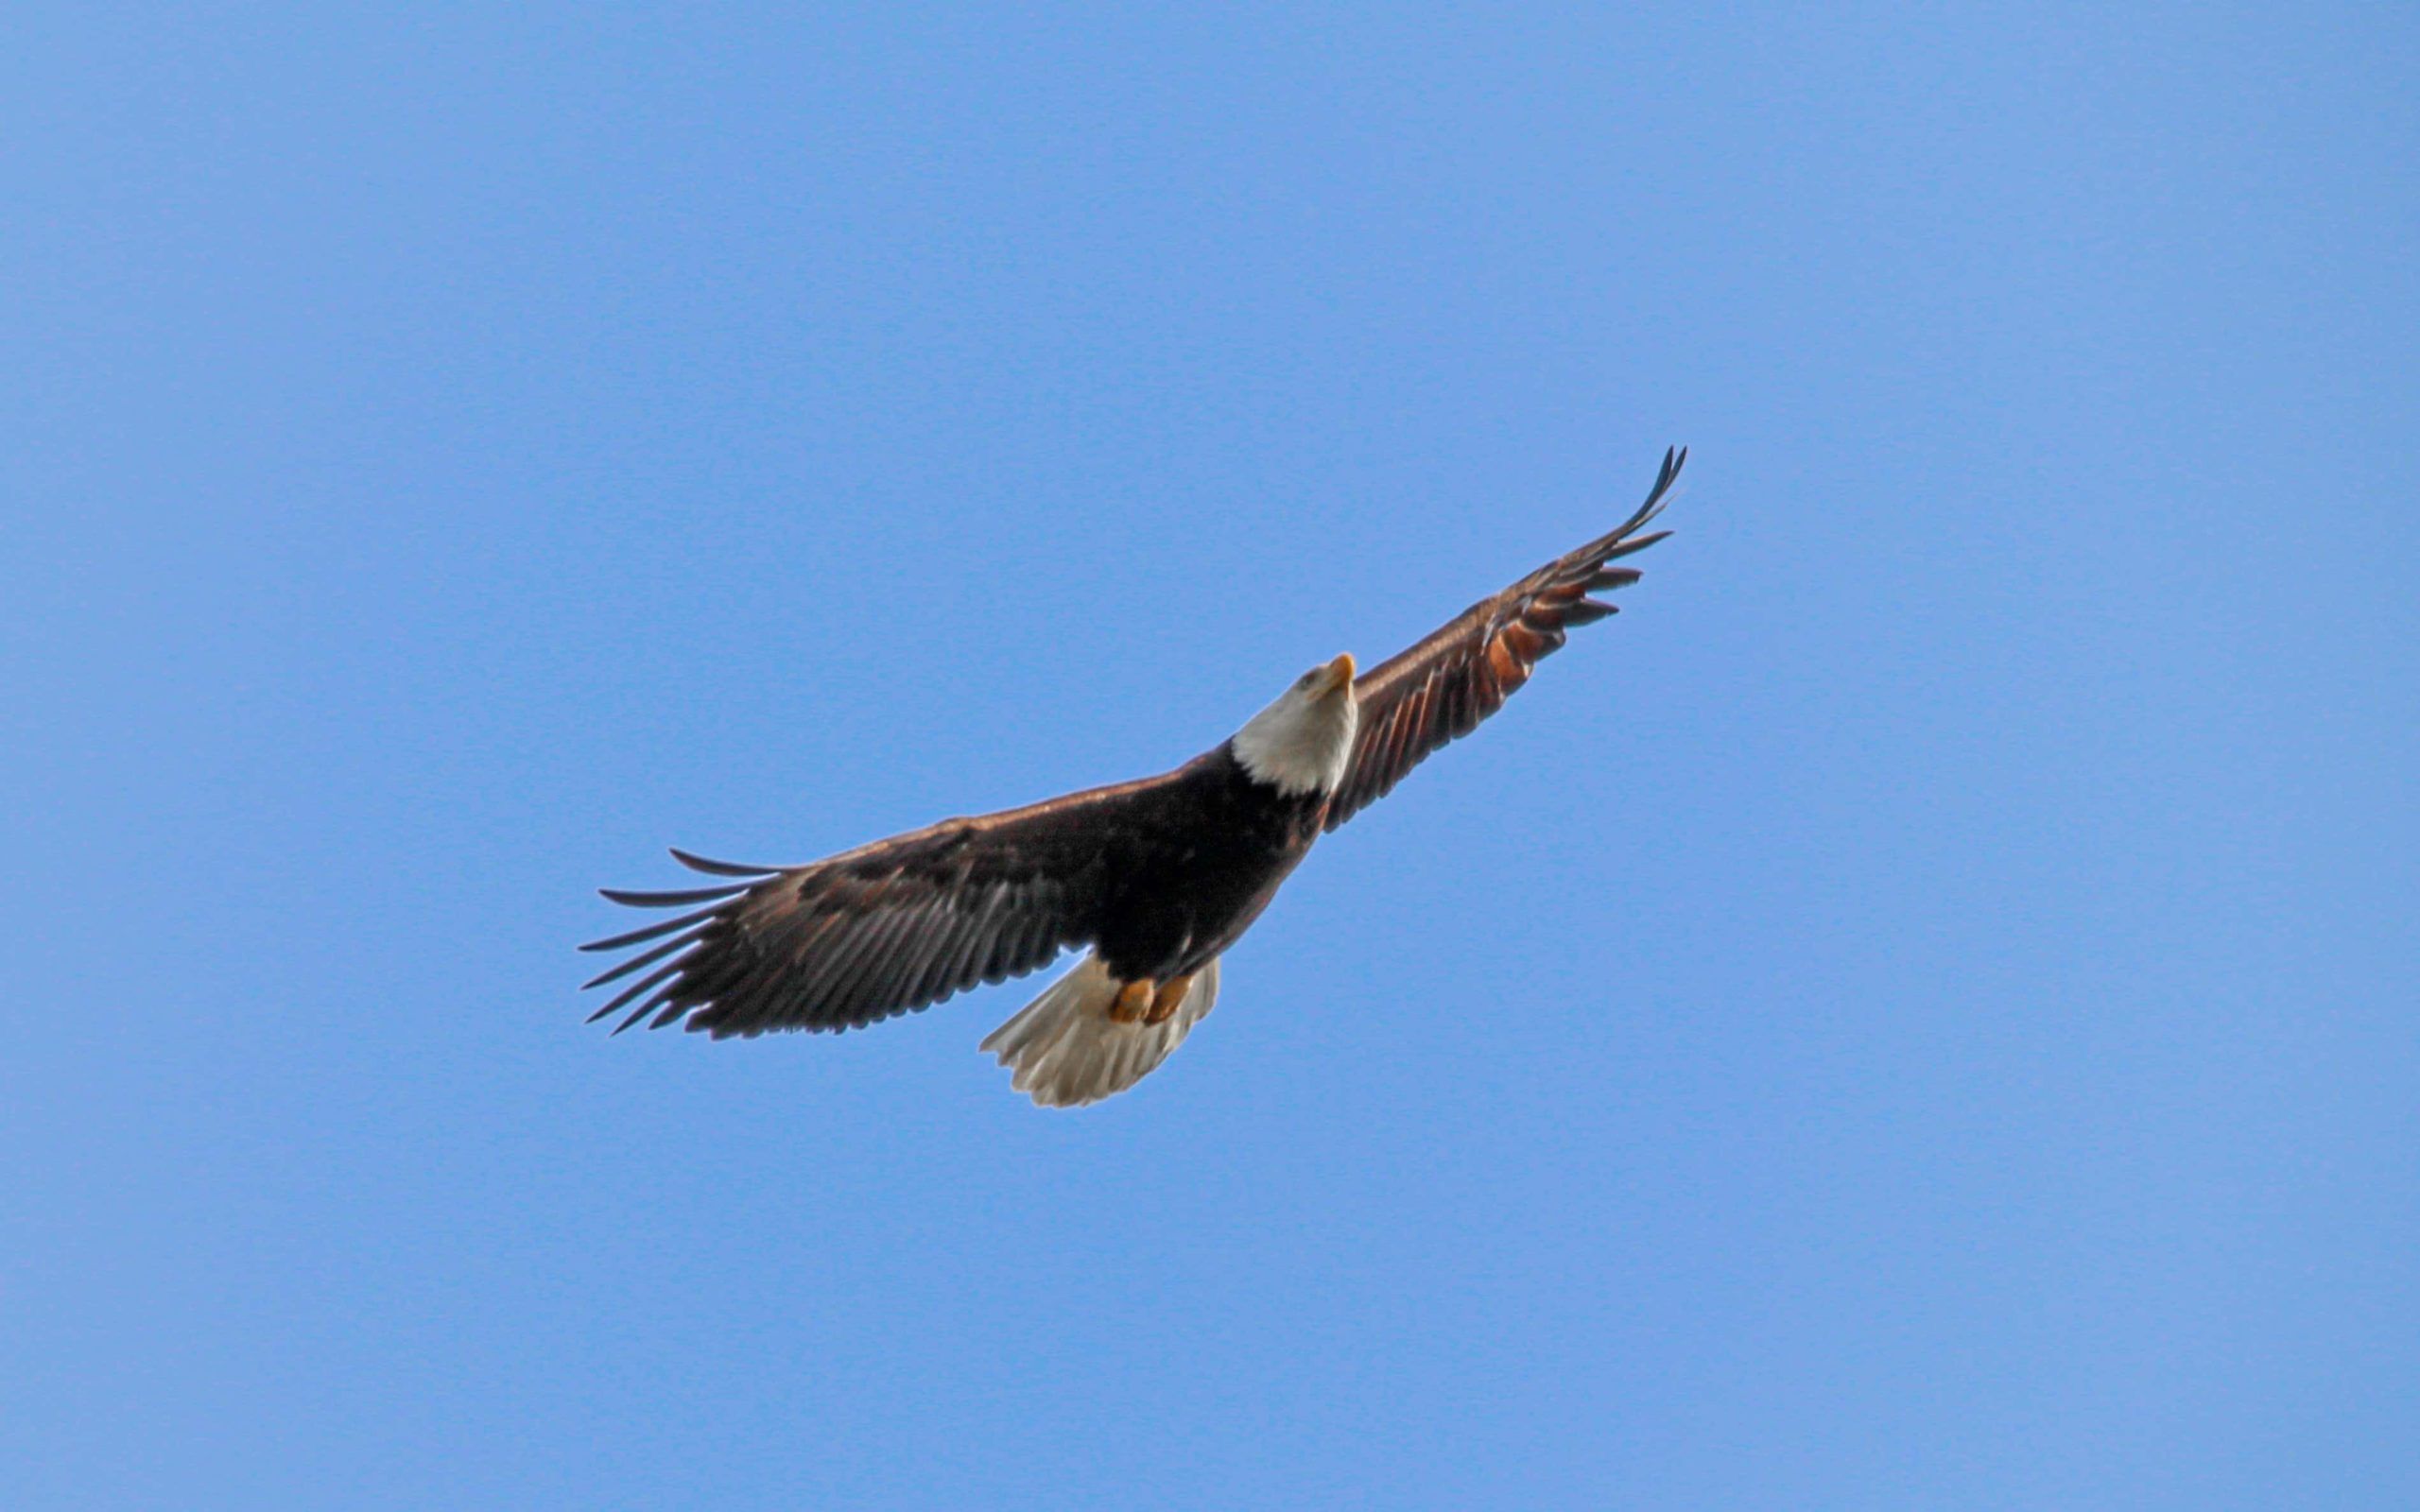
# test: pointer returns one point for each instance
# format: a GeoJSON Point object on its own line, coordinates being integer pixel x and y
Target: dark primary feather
{"type": "Point", "coordinates": [720, 868]}
{"type": "Point", "coordinates": [1440, 689]}
{"type": "Point", "coordinates": [885, 929]}
{"type": "Point", "coordinates": [667, 900]}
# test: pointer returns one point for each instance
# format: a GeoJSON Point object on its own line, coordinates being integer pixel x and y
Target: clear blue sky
{"type": "Point", "coordinates": [1923, 1010]}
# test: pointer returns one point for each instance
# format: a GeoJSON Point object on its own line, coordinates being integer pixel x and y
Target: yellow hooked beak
{"type": "Point", "coordinates": [1339, 673]}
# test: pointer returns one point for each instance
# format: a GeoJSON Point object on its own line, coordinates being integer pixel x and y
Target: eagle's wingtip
{"type": "Point", "coordinates": [1675, 458]}
{"type": "Point", "coordinates": [719, 869]}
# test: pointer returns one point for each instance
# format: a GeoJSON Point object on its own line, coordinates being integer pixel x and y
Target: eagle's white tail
{"type": "Point", "coordinates": [1065, 1049]}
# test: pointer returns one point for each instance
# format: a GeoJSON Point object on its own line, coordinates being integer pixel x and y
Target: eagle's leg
{"type": "Point", "coordinates": [1133, 999]}
{"type": "Point", "coordinates": [1164, 1001]}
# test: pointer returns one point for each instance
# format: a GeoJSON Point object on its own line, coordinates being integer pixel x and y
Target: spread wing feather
{"type": "Point", "coordinates": [885, 929]}
{"type": "Point", "coordinates": [1439, 690]}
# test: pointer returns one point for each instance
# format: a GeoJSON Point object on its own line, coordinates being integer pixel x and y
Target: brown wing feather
{"type": "Point", "coordinates": [1440, 689]}
{"type": "Point", "coordinates": [885, 929]}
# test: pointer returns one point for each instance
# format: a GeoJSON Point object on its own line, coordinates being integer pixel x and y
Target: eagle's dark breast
{"type": "Point", "coordinates": [1183, 876]}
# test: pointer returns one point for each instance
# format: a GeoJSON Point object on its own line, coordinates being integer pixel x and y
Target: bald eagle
{"type": "Point", "coordinates": [1157, 876]}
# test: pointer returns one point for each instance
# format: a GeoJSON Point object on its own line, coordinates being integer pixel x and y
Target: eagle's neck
{"type": "Point", "coordinates": [1300, 744]}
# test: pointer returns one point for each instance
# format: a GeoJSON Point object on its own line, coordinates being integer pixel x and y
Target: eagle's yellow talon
{"type": "Point", "coordinates": [1164, 1001]}
{"type": "Point", "coordinates": [1133, 1001]}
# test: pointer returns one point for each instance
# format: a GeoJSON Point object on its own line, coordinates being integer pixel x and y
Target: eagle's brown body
{"type": "Point", "coordinates": [1180, 890]}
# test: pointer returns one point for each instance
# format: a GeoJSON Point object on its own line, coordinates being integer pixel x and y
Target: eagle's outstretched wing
{"type": "Point", "coordinates": [885, 929]}
{"type": "Point", "coordinates": [1440, 689]}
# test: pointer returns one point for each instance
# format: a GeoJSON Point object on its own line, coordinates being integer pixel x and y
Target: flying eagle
{"type": "Point", "coordinates": [1157, 876]}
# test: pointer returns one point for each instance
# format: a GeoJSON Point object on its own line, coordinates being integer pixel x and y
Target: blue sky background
{"type": "Point", "coordinates": [1923, 1010]}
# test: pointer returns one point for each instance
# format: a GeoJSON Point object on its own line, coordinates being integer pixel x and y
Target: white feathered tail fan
{"type": "Point", "coordinates": [1065, 1049]}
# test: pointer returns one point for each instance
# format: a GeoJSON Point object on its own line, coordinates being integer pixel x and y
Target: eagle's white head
{"type": "Point", "coordinates": [1301, 743]}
